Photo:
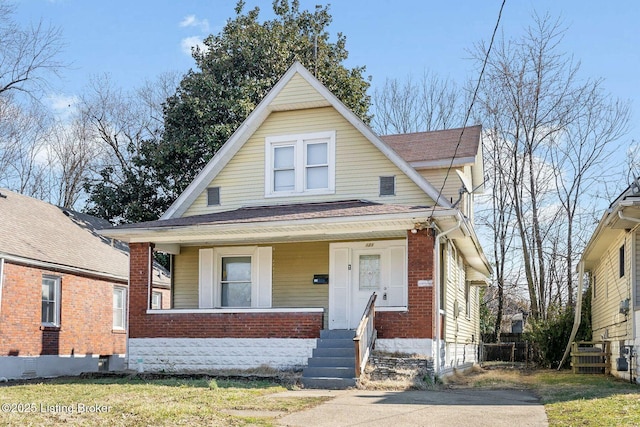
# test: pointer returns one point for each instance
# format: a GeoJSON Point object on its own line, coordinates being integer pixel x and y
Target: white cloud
{"type": "Point", "coordinates": [63, 106]}
{"type": "Point", "coordinates": [193, 21]}
{"type": "Point", "coordinates": [189, 42]}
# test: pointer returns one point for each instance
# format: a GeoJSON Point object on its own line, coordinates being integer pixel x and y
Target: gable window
{"type": "Point", "coordinates": [300, 164]}
{"type": "Point", "coordinates": [213, 196]}
{"type": "Point", "coordinates": [50, 301]}
{"type": "Point", "coordinates": [119, 308]}
{"type": "Point", "coordinates": [621, 259]}
{"type": "Point", "coordinates": [387, 185]}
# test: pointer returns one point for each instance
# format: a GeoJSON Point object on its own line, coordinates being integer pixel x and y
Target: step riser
{"type": "Point", "coordinates": [325, 362]}
{"type": "Point", "coordinates": [334, 352]}
{"type": "Point", "coordinates": [337, 334]}
{"type": "Point", "coordinates": [328, 372]}
{"type": "Point", "coordinates": [335, 343]}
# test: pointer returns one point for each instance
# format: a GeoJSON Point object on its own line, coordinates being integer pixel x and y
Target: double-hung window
{"type": "Point", "coordinates": [300, 164]}
{"type": "Point", "coordinates": [119, 308]}
{"type": "Point", "coordinates": [50, 301]}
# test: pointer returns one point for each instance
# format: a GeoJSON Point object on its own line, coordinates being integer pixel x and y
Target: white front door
{"type": "Point", "coordinates": [357, 270]}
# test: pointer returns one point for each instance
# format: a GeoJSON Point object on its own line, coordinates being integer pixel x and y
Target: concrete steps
{"type": "Point", "coordinates": [332, 365]}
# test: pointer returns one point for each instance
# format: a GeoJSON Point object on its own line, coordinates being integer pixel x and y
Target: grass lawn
{"type": "Point", "coordinates": [569, 399]}
{"type": "Point", "coordinates": [136, 402]}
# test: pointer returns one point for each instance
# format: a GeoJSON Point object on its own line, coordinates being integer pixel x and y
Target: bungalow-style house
{"type": "Point", "coordinates": [612, 260]}
{"type": "Point", "coordinates": [303, 215]}
{"type": "Point", "coordinates": [63, 291]}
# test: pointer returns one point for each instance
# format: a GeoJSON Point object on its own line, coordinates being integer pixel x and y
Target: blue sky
{"type": "Point", "coordinates": [137, 40]}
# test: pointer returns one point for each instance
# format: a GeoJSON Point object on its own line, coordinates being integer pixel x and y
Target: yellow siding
{"type": "Point", "coordinates": [294, 265]}
{"type": "Point", "coordinates": [298, 90]}
{"type": "Point", "coordinates": [437, 176]}
{"type": "Point", "coordinates": [358, 166]}
{"type": "Point", "coordinates": [465, 328]}
{"type": "Point", "coordinates": [610, 289]}
{"type": "Point", "coordinates": [185, 278]}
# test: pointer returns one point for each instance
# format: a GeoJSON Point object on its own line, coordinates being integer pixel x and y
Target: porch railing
{"type": "Point", "coordinates": [366, 335]}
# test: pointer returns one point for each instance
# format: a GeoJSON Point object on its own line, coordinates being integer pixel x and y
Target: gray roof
{"type": "Point", "coordinates": [291, 212]}
{"type": "Point", "coordinates": [31, 229]}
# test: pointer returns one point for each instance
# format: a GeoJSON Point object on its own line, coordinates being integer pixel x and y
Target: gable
{"type": "Point", "coordinates": [298, 94]}
{"type": "Point", "coordinates": [255, 120]}
{"type": "Point", "coordinates": [358, 167]}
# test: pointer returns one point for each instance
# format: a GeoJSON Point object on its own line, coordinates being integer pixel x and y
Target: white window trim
{"type": "Point", "coordinates": [299, 142]}
{"type": "Point", "coordinates": [210, 269]}
{"type": "Point", "coordinates": [57, 292]}
{"type": "Point", "coordinates": [124, 308]}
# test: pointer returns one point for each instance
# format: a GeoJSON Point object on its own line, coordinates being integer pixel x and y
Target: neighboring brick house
{"type": "Point", "coordinates": [63, 291]}
{"type": "Point", "coordinates": [301, 216]}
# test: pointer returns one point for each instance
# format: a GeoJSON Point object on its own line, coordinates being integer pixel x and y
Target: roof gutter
{"type": "Point", "coordinates": [628, 218]}
{"type": "Point", "coordinates": [61, 267]}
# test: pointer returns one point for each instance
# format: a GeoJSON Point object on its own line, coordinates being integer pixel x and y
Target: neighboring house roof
{"type": "Point", "coordinates": [622, 214]}
{"type": "Point", "coordinates": [36, 232]}
{"type": "Point", "coordinates": [424, 149]}
{"type": "Point", "coordinates": [259, 115]}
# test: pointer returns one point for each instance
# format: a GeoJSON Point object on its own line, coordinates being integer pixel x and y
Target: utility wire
{"type": "Point", "coordinates": [473, 100]}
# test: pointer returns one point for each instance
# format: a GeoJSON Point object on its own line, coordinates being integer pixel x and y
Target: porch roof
{"type": "Point", "coordinates": [338, 220]}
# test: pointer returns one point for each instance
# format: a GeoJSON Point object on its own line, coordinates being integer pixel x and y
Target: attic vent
{"type": "Point", "coordinates": [387, 185]}
{"type": "Point", "coordinates": [213, 196]}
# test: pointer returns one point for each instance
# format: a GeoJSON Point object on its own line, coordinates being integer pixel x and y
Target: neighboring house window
{"type": "Point", "coordinates": [119, 307]}
{"type": "Point", "coordinates": [50, 301]}
{"type": "Point", "coordinates": [156, 300]}
{"type": "Point", "coordinates": [621, 258]}
{"type": "Point", "coordinates": [467, 298]}
{"type": "Point", "coordinates": [387, 185]}
{"type": "Point", "coordinates": [213, 196]}
{"type": "Point", "coordinates": [299, 164]}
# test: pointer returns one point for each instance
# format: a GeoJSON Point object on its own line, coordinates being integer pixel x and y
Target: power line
{"type": "Point", "coordinates": [473, 100]}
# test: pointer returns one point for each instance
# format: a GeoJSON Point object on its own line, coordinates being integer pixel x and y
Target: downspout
{"type": "Point", "coordinates": [436, 287]}
{"type": "Point", "coordinates": [576, 316]}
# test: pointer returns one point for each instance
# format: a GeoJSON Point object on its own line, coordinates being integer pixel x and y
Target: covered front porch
{"type": "Point", "coordinates": [258, 289]}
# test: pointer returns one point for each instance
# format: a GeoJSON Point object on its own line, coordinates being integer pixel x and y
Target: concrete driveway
{"type": "Point", "coordinates": [459, 407]}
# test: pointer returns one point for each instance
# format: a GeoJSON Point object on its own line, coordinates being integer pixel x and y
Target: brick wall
{"type": "Point", "coordinates": [206, 325]}
{"type": "Point", "coordinates": [86, 315]}
{"type": "Point", "coordinates": [417, 322]}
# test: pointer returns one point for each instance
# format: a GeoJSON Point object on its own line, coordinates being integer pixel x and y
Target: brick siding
{"type": "Point", "coordinates": [86, 315]}
{"type": "Point", "coordinates": [207, 325]}
{"type": "Point", "coordinates": [417, 321]}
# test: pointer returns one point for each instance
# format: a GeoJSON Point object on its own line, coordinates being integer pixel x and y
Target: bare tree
{"type": "Point", "coordinates": [23, 162]}
{"type": "Point", "coordinates": [557, 130]}
{"type": "Point", "coordinates": [407, 106]}
{"type": "Point", "coordinates": [27, 55]}
{"type": "Point", "coordinates": [71, 154]}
